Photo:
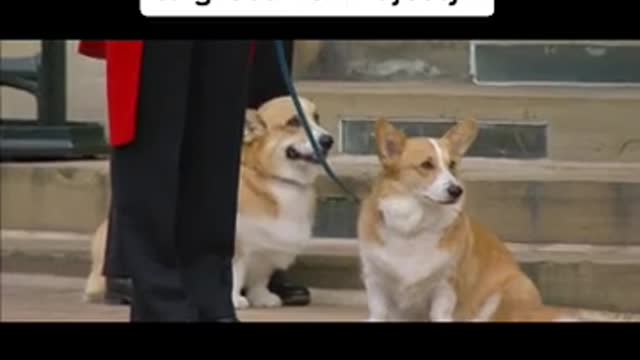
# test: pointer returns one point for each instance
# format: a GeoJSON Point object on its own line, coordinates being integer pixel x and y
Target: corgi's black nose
{"type": "Point", "coordinates": [454, 191]}
{"type": "Point", "coordinates": [326, 141]}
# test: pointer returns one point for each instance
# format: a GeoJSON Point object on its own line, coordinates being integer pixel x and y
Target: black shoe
{"type": "Point", "coordinates": [119, 291]}
{"type": "Point", "coordinates": [290, 294]}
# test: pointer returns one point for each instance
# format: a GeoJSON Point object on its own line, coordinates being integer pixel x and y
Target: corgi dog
{"type": "Point", "coordinates": [276, 197]}
{"type": "Point", "coordinates": [276, 201]}
{"type": "Point", "coordinates": [423, 258]}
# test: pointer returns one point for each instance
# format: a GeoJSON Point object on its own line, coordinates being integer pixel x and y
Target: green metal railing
{"type": "Point", "coordinates": [50, 136]}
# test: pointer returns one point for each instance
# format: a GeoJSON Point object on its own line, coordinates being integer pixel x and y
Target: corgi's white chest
{"type": "Point", "coordinates": [411, 262]}
{"type": "Point", "coordinates": [409, 271]}
{"type": "Point", "coordinates": [411, 237]}
{"type": "Point", "coordinates": [289, 231]}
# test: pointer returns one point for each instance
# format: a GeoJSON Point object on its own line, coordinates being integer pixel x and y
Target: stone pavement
{"type": "Point", "coordinates": [44, 298]}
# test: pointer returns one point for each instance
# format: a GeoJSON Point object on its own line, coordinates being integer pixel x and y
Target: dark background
{"type": "Point", "coordinates": [513, 19]}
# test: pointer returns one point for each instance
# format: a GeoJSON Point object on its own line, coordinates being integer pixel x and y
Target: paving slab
{"type": "Point", "coordinates": [45, 298]}
{"type": "Point", "coordinates": [597, 277]}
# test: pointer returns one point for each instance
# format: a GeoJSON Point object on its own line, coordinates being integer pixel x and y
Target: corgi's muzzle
{"type": "Point", "coordinates": [448, 193]}
{"type": "Point", "coordinates": [325, 142]}
{"type": "Point", "coordinates": [454, 191]}
{"type": "Point", "coordinates": [453, 194]}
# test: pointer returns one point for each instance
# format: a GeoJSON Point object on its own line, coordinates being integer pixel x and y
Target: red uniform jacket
{"type": "Point", "coordinates": [124, 61]}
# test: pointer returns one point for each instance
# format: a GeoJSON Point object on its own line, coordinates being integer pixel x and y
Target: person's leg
{"type": "Point", "coordinates": [145, 183]}
{"type": "Point", "coordinates": [114, 265]}
{"type": "Point", "coordinates": [118, 284]}
{"type": "Point", "coordinates": [210, 165]}
{"type": "Point", "coordinates": [265, 83]}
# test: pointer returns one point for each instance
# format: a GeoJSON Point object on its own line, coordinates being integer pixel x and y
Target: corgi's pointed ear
{"type": "Point", "coordinates": [254, 126]}
{"type": "Point", "coordinates": [390, 142]}
{"type": "Point", "coordinates": [461, 136]}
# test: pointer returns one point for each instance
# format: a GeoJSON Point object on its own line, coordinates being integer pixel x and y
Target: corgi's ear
{"type": "Point", "coordinates": [254, 126]}
{"type": "Point", "coordinates": [390, 142]}
{"type": "Point", "coordinates": [461, 136]}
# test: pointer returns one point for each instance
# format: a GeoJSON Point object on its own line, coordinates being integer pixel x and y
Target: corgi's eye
{"type": "Point", "coordinates": [428, 165]}
{"type": "Point", "coordinates": [293, 122]}
{"type": "Point", "coordinates": [452, 164]}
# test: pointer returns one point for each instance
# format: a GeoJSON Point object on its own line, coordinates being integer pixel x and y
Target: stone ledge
{"type": "Point", "coordinates": [527, 201]}
{"type": "Point", "coordinates": [537, 195]}
{"type": "Point", "coordinates": [471, 169]}
{"type": "Point", "coordinates": [29, 297]}
{"type": "Point", "coordinates": [596, 124]}
{"type": "Point", "coordinates": [366, 168]}
{"type": "Point", "coordinates": [448, 89]}
{"type": "Point", "coordinates": [335, 250]}
{"type": "Point", "coordinates": [596, 277]}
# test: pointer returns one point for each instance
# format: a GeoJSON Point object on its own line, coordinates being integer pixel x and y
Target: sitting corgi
{"type": "Point", "coordinates": [276, 201]}
{"type": "Point", "coordinates": [423, 258]}
{"type": "Point", "coordinates": [276, 198]}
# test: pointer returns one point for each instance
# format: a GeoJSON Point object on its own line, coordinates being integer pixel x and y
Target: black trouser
{"type": "Point", "coordinates": [175, 187]}
{"type": "Point", "coordinates": [265, 82]}
{"type": "Point", "coordinates": [265, 78]}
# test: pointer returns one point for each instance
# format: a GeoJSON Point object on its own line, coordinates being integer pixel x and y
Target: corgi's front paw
{"type": "Point", "coordinates": [263, 298]}
{"type": "Point", "coordinates": [240, 302]}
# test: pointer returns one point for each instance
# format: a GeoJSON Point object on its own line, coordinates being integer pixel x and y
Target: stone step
{"type": "Point", "coordinates": [558, 123]}
{"type": "Point", "coordinates": [593, 277]}
{"type": "Point", "coordinates": [46, 298]}
{"type": "Point", "coordinates": [526, 201]}
{"type": "Point", "coordinates": [66, 196]}
{"type": "Point", "coordinates": [381, 60]}
{"type": "Point", "coordinates": [493, 61]}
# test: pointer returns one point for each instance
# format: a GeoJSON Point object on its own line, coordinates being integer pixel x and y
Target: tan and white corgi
{"type": "Point", "coordinates": [276, 201]}
{"type": "Point", "coordinates": [423, 258]}
{"type": "Point", "coordinates": [277, 196]}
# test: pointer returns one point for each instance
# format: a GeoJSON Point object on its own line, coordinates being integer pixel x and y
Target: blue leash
{"type": "Point", "coordinates": [284, 69]}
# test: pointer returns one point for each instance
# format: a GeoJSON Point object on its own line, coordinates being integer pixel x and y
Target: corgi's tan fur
{"type": "Point", "coordinates": [276, 201]}
{"type": "Point", "coordinates": [423, 258]}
